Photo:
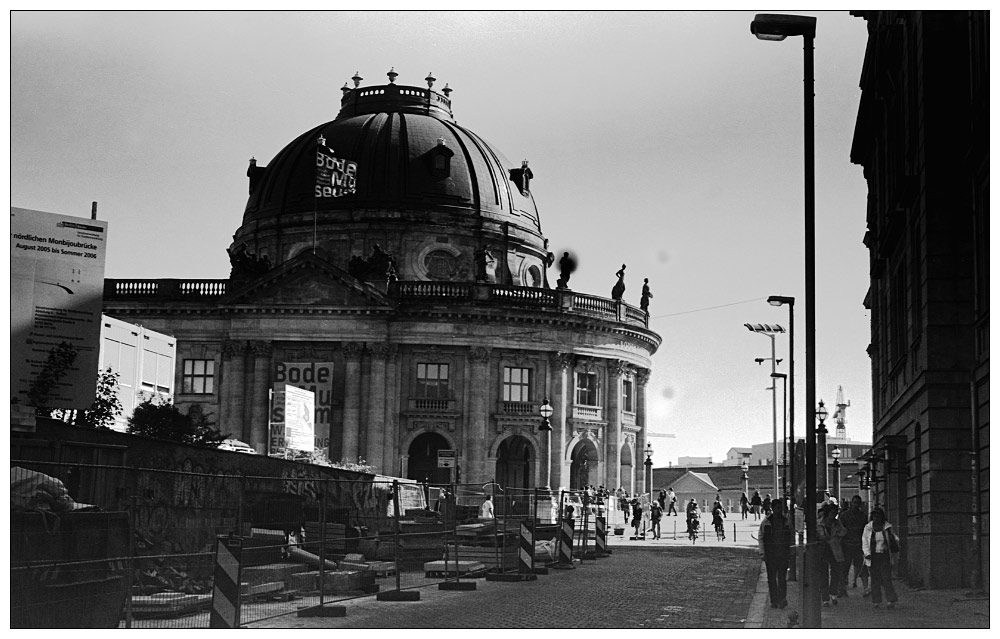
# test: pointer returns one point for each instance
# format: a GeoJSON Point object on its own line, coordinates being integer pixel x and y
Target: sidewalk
{"type": "Point", "coordinates": [917, 608]}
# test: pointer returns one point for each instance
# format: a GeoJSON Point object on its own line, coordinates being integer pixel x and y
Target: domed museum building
{"type": "Point", "coordinates": [394, 263]}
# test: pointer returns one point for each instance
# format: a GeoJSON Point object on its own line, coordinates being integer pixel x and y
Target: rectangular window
{"type": "Point", "coordinates": [586, 389]}
{"type": "Point", "coordinates": [516, 384]}
{"type": "Point", "coordinates": [198, 376]}
{"type": "Point", "coordinates": [432, 381]}
{"type": "Point", "coordinates": [627, 402]}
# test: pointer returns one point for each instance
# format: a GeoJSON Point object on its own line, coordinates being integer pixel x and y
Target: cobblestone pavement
{"type": "Point", "coordinates": [642, 586]}
{"type": "Point", "coordinates": [917, 608]}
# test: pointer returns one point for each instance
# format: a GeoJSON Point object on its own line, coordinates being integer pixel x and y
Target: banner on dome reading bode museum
{"type": "Point", "coordinates": [290, 380]}
{"type": "Point", "coordinates": [335, 177]}
{"type": "Point", "coordinates": [56, 289]}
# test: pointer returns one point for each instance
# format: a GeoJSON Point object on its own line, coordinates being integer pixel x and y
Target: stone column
{"type": "Point", "coordinates": [478, 414]}
{"type": "Point", "coordinates": [231, 388]}
{"type": "Point", "coordinates": [562, 406]}
{"type": "Point", "coordinates": [352, 398]}
{"type": "Point", "coordinates": [617, 369]}
{"type": "Point", "coordinates": [260, 354]}
{"type": "Point", "coordinates": [641, 379]}
{"type": "Point", "coordinates": [374, 422]}
{"type": "Point", "coordinates": [390, 419]}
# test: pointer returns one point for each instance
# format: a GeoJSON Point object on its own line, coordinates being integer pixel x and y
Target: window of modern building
{"type": "Point", "coordinates": [586, 389]}
{"type": "Point", "coordinates": [516, 384]}
{"type": "Point", "coordinates": [628, 401]}
{"type": "Point", "coordinates": [432, 381]}
{"type": "Point", "coordinates": [198, 376]}
{"type": "Point", "coordinates": [157, 371]}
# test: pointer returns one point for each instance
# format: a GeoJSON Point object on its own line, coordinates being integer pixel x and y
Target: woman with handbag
{"type": "Point", "coordinates": [878, 543]}
{"type": "Point", "coordinates": [831, 534]}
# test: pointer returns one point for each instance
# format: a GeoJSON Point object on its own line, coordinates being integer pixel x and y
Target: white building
{"type": "Point", "coordinates": [144, 361]}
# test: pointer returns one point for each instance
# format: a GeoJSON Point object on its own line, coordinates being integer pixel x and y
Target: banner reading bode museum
{"type": "Point", "coordinates": [56, 288]}
{"type": "Point", "coordinates": [315, 378]}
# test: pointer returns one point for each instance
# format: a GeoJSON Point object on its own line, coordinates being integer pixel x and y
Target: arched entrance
{"type": "Point", "coordinates": [424, 459]}
{"type": "Point", "coordinates": [516, 463]}
{"type": "Point", "coordinates": [626, 475]}
{"type": "Point", "coordinates": [583, 465]}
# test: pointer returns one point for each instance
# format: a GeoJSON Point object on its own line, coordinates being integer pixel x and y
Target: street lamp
{"type": "Point", "coordinates": [821, 415]}
{"type": "Point", "coordinates": [778, 27]}
{"type": "Point", "coordinates": [781, 300]}
{"type": "Point", "coordinates": [746, 479]}
{"type": "Point", "coordinates": [784, 435]}
{"type": "Point", "coordinates": [835, 453]}
{"type": "Point", "coordinates": [770, 330]}
{"type": "Point", "coordinates": [649, 477]}
{"type": "Point", "coordinates": [545, 410]}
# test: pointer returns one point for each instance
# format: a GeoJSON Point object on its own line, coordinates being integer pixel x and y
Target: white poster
{"type": "Point", "coordinates": [56, 290]}
{"type": "Point", "coordinates": [311, 376]}
{"type": "Point", "coordinates": [299, 414]}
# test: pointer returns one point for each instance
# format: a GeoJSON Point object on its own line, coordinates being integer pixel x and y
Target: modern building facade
{"type": "Point", "coordinates": [922, 136]}
{"type": "Point", "coordinates": [144, 361]}
{"type": "Point", "coordinates": [394, 263]}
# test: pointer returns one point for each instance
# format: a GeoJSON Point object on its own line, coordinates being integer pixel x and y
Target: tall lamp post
{"type": "Point", "coordinates": [784, 433]}
{"type": "Point", "coordinates": [746, 479]}
{"type": "Point", "coordinates": [778, 27]}
{"type": "Point", "coordinates": [781, 300]}
{"type": "Point", "coordinates": [769, 331]}
{"type": "Point", "coordinates": [545, 410]}
{"type": "Point", "coordinates": [835, 453]}
{"type": "Point", "coordinates": [649, 470]}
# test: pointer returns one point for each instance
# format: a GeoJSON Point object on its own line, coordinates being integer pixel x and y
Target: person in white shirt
{"type": "Point", "coordinates": [875, 544]}
{"type": "Point", "coordinates": [486, 510]}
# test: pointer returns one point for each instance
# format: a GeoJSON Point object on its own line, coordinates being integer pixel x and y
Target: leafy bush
{"type": "Point", "coordinates": [158, 418]}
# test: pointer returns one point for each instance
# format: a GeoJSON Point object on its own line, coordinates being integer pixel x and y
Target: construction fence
{"type": "Point", "coordinates": [143, 548]}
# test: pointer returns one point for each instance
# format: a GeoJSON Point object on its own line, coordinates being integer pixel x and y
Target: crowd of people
{"type": "Point", "coordinates": [853, 545]}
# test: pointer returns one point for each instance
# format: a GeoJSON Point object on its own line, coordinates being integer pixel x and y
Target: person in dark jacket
{"type": "Point", "coordinates": [854, 520]}
{"type": "Point", "coordinates": [636, 516]}
{"type": "Point", "coordinates": [755, 504]}
{"type": "Point", "coordinates": [774, 541]}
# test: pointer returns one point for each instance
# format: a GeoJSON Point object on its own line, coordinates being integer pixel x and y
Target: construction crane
{"type": "Point", "coordinates": [840, 416]}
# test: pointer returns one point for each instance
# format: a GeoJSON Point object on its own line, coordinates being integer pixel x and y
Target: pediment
{"type": "Point", "coordinates": [308, 279]}
{"type": "Point", "coordinates": [693, 483]}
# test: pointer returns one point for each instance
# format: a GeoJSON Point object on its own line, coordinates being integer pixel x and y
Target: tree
{"type": "Point", "coordinates": [106, 406]}
{"type": "Point", "coordinates": [158, 418]}
{"type": "Point", "coordinates": [57, 364]}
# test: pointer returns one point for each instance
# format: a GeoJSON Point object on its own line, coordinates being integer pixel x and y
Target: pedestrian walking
{"type": "Point", "coordinates": [655, 512]}
{"type": "Point", "coordinates": [486, 510]}
{"type": "Point", "coordinates": [636, 516]}
{"type": "Point", "coordinates": [744, 505]}
{"type": "Point", "coordinates": [693, 519]}
{"type": "Point", "coordinates": [774, 541]}
{"type": "Point", "coordinates": [831, 533]}
{"type": "Point", "coordinates": [672, 499]}
{"type": "Point", "coordinates": [755, 504]}
{"type": "Point", "coordinates": [854, 521]}
{"type": "Point", "coordinates": [767, 505]}
{"type": "Point", "coordinates": [662, 499]}
{"type": "Point", "coordinates": [878, 542]}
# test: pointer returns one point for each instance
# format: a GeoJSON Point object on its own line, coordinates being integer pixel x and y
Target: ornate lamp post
{"type": "Point", "coordinates": [821, 415]}
{"type": "Point", "coordinates": [778, 27]}
{"type": "Point", "coordinates": [545, 410]}
{"type": "Point", "coordinates": [835, 453]}
{"type": "Point", "coordinates": [746, 479]}
{"type": "Point", "coordinates": [649, 470]}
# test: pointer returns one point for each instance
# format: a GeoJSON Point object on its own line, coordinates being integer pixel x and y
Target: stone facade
{"type": "Point", "coordinates": [415, 303]}
{"type": "Point", "coordinates": [922, 137]}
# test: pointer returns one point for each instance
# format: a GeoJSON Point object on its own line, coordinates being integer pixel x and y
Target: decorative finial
{"type": "Point", "coordinates": [442, 142]}
{"type": "Point", "coordinates": [346, 89]}
{"type": "Point", "coordinates": [430, 79]}
{"type": "Point", "coordinates": [446, 90]}
{"type": "Point", "coordinates": [392, 75]}
{"type": "Point", "coordinates": [253, 161]}
{"type": "Point", "coordinates": [357, 79]}
{"type": "Point", "coordinates": [524, 164]}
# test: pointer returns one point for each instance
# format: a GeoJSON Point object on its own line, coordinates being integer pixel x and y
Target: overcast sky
{"type": "Point", "coordinates": [669, 141]}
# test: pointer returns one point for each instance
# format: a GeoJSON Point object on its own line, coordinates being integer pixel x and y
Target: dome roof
{"type": "Point", "coordinates": [409, 153]}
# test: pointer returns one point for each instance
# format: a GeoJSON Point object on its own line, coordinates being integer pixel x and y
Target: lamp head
{"type": "Point", "coordinates": [821, 411]}
{"type": "Point", "coordinates": [835, 453]}
{"type": "Point", "coordinates": [777, 26]}
{"type": "Point", "coordinates": [780, 300]}
{"type": "Point", "coordinates": [767, 329]}
{"type": "Point", "coordinates": [649, 450]}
